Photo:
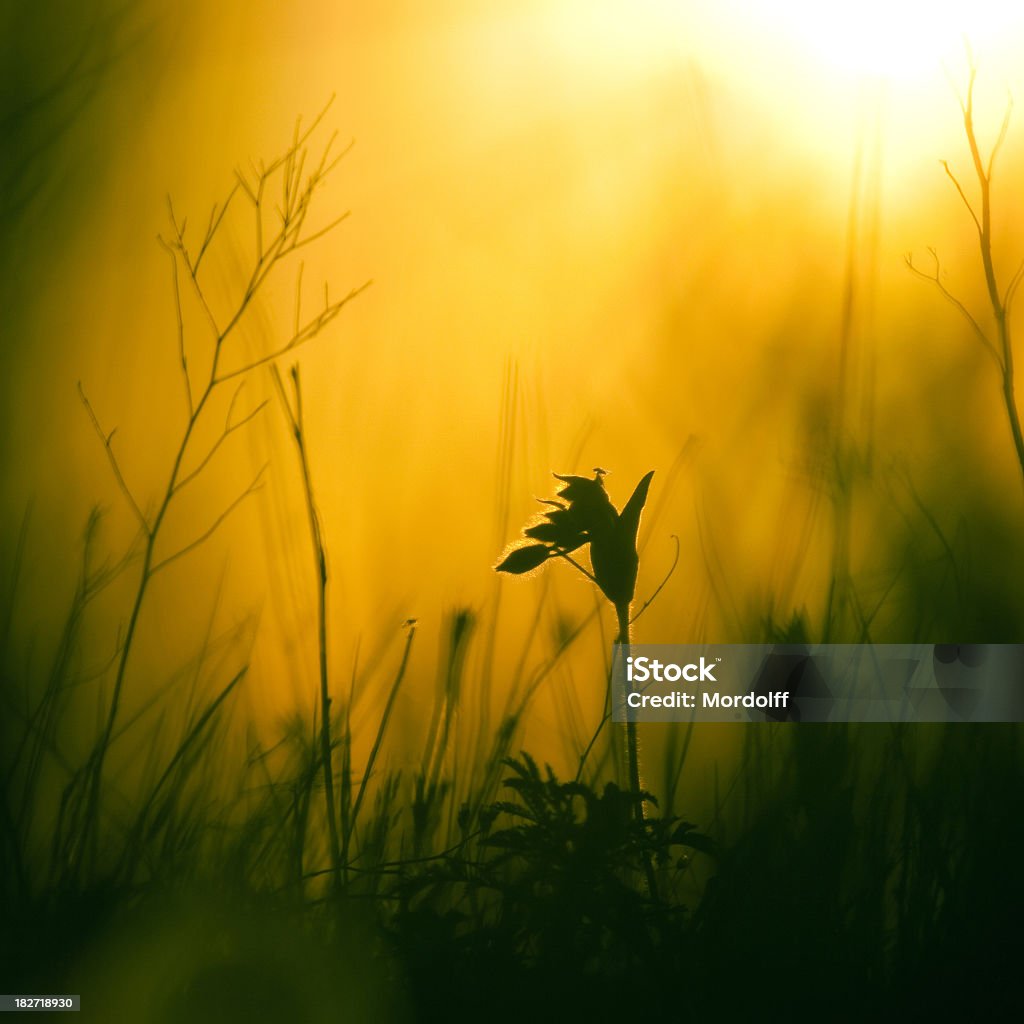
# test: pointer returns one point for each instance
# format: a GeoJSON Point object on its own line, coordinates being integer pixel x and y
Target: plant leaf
{"type": "Point", "coordinates": [549, 532]}
{"type": "Point", "coordinates": [629, 520]}
{"type": "Point", "coordinates": [559, 530]}
{"type": "Point", "coordinates": [524, 559]}
{"type": "Point", "coordinates": [613, 552]}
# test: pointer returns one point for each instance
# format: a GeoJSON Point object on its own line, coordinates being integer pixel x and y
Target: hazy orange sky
{"type": "Point", "coordinates": [644, 209]}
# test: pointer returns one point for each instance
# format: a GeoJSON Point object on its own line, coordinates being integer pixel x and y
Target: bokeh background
{"type": "Point", "coordinates": [655, 223]}
{"type": "Point", "coordinates": [655, 235]}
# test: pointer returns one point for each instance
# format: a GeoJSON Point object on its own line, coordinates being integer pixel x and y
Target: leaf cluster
{"type": "Point", "coordinates": [580, 514]}
{"type": "Point", "coordinates": [562, 881]}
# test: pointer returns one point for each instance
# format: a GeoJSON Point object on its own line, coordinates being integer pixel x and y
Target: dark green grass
{"type": "Point", "coordinates": [847, 872]}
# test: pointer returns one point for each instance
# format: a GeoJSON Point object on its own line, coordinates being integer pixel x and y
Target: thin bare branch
{"type": "Point", "coordinates": [970, 209]}
{"type": "Point", "coordinates": [661, 585]}
{"type": "Point", "coordinates": [288, 178]}
{"type": "Point", "coordinates": [214, 225]}
{"type": "Point", "coordinates": [294, 216]}
{"type": "Point", "coordinates": [254, 486]}
{"type": "Point", "coordinates": [1011, 288]}
{"type": "Point", "coordinates": [109, 571]}
{"type": "Point", "coordinates": [273, 244]}
{"type": "Point", "coordinates": [229, 429]}
{"type": "Point", "coordinates": [935, 280]}
{"type": "Point", "coordinates": [967, 104]}
{"type": "Point", "coordinates": [286, 405]}
{"type": "Point", "coordinates": [233, 402]}
{"type": "Point", "coordinates": [311, 329]}
{"type": "Point", "coordinates": [180, 320]}
{"type": "Point", "coordinates": [105, 440]}
{"type": "Point", "coordinates": [299, 243]}
{"type": "Point", "coordinates": [1003, 128]}
{"type": "Point", "coordinates": [244, 185]}
{"type": "Point", "coordinates": [297, 168]}
{"type": "Point", "coordinates": [193, 273]}
{"type": "Point", "coordinates": [1001, 347]}
{"type": "Point", "coordinates": [328, 167]}
{"type": "Point", "coordinates": [273, 251]}
{"type": "Point", "coordinates": [179, 229]}
{"type": "Point", "coordinates": [302, 139]}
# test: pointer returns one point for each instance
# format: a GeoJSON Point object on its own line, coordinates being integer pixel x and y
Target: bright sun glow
{"type": "Point", "coordinates": [888, 38]}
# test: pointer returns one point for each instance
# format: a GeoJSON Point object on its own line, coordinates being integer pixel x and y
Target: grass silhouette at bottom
{"type": "Point", "coordinates": [853, 873]}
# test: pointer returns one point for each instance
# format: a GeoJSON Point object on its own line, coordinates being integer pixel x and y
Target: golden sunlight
{"type": "Point", "coordinates": [893, 39]}
{"type": "Point", "coordinates": [692, 322]}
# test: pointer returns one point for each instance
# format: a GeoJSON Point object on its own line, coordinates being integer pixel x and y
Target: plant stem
{"type": "Point", "coordinates": [624, 640]}
{"type": "Point", "coordinates": [632, 752]}
{"type": "Point", "coordinates": [296, 422]}
{"type": "Point", "coordinates": [287, 239]}
{"type": "Point", "coordinates": [320, 557]}
{"type": "Point", "coordinates": [90, 825]}
{"type": "Point", "coordinates": [999, 301]}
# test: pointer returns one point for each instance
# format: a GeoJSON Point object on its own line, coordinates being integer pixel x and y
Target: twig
{"type": "Point", "coordinates": [254, 486]}
{"type": "Point", "coordinates": [959, 188]}
{"type": "Point", "coordinates": [214, 225]}
{"type": "Point", "coordinates": [661, 585]}
{"type": "Point", "coordinates": [106, 439]}
{"type": "Point", "coordinates": [1001, 348]}
{"type": "Point", "coordinates": [180, 321]}
{"type": "Point", "coordinates": [935, 280]}
{"type": "Point", "coordinates": [229, 429]}
{"type": "Point", "coordinates": [270, 251]}
{"type": "Point", "coordinates": [312, 328]}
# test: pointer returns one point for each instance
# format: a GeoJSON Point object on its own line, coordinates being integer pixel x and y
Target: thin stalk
{"type": "Point", "coordinates": [1000, 304]}
{"type": "Point", "coordinates": [90, 835]}
{"type": "Point", "coordinates": [379, 738]}
{"type": "Point", "coordinates": [624, 640]}
{"type": "Point", "coordinates": [999, 349]}
{"type": "Point", "coordinates": [297, 424]}
{"type": "Point", "coordinates": [287, 238]}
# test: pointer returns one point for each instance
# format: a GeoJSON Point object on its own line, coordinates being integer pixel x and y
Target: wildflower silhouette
{"type": "Point", "coordinates": [580, 514]}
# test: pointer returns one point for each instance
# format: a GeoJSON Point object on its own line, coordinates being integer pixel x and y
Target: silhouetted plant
{"type": "Point", "coordinates": [293, 411]}
{"type": "Point", "coordinates": [1001, 299]}
{"type": "Point", "coordinates": [551, 892]}
{"type": "Point", "coordinates": [582, 514]}
{"type": "Point", "coordinates": [607, 838]}
{"type": "Point", "coordinates": [280, 230]}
